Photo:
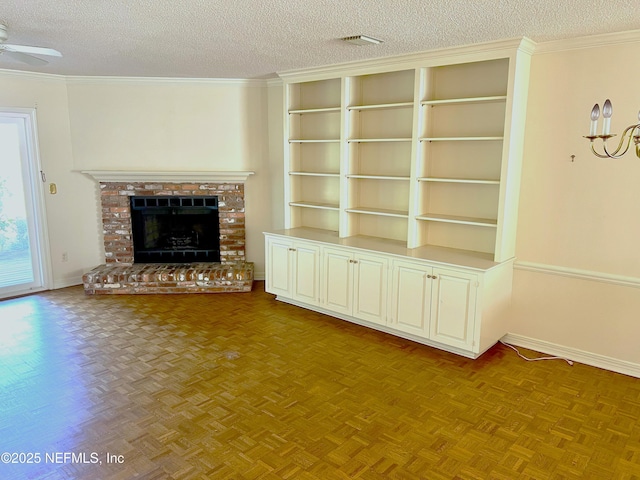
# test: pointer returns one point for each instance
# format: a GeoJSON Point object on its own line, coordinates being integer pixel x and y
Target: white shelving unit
{"type": "Point", "coordinates": [401, 193]}
{"type": "Point", "coordinates": [313, 135]}
{"type": "Point", "coordinates": [379, 136]}
{"type": "Point", "coordinates": [423, 150]}
{"type": "Point", "coordinates": [462, 160]}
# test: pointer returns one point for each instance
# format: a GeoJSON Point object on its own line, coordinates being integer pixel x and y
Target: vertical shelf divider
{"type": "Point", "coordinates": [413, 234]}
{"type": "Point", "coordinates": [288, 102]}
{"type": "Point", "coordinates": [345, 128]}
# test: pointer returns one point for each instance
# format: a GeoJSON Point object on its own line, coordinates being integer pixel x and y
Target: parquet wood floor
{"type": "Point", "coordinates": [240, 386]}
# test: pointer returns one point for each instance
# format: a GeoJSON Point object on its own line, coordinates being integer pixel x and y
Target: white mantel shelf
{"type": "Point", "coordinates": [167, 176]}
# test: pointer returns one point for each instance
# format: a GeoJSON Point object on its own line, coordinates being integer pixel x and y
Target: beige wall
{"type": "Point", "coordinates": [276, 153]}
{"type": "Point", "coordinates": [168, 124]}
{"type": "Point", "coordinates": [71, 219]}
{"type": "Point", "coordinates": [579, 229]}
{"type": "Point", "coordinates": [579, 223]}
{"type": "Point", "coordinates": [94, 124]}
{"type": "Point", "coordinates": [155, 125]}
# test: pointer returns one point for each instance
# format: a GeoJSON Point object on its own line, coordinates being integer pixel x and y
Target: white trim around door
{"type": "Point", "coordinates": [23, 125]}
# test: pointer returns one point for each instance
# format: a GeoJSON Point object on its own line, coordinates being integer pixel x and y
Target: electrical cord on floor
{"type": "Point", "coordinates": [535, 359]}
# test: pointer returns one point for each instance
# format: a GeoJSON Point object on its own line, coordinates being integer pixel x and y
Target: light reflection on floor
{"type": "Point", "coordinates": [18, 337]}
{"type": "Point", "coordinates": [43, 400]}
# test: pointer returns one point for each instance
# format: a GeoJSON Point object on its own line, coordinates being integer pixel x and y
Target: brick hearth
{"type": "Point", "coordinates": [121, 275]}
{"type": "Point", "coordinates": [170, 278]}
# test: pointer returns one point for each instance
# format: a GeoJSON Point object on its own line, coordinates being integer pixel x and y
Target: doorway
{"type": "Point", "coordinates": [22, 229]}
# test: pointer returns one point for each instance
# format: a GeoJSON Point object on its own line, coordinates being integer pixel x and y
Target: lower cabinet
{"type": "Point", "coordinates": [355, 284]}
{"type": "Point", "coordinates": [457, 309]}
{"type": "Point", "coordinates": [453, 308]}
{"type": "Point", "coordinates": [411, 286]}
{"type": "Point", "coordinates": [293, 270]}
{"type": "Point", "coordinates": [433, 303]}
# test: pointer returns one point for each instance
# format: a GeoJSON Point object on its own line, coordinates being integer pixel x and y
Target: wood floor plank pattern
{"type": "Point", "coordinates": [240, 386]}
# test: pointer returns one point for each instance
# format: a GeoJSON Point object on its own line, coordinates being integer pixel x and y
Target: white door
{"type": "Point", "coordinates": [23, 239]}
{"type": "Point", "coordinates": [278, 260]}
{"type": "Point", "coordinates": [453, 308]}
{"type": "Point", "coordinates": [306, 273]}
{"type": "Point", "coordinates": [411, 298]}
{"type": "Point", "coordinates": [370, 288]}
{"type": "Point", "coordinates": [337, 283]}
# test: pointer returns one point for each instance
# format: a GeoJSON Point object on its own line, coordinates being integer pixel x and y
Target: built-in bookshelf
{"type": "Point", "coordinates": [425, 155]}
{"type": "Point", "coordinates": [462, 129]}
{"type": "Point", "coordinates": [313, 153]}
{"type": "Point", "coordinates": [379, 134]}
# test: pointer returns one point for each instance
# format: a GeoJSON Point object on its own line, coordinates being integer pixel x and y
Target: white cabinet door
{"type": "Point", "coordinates": [279, 266]}
{"type": "Point", "coordinates": [355, 284]}
{"type": "Point", "coordinates": [370, 288]}
{"type": "Point", "coordinates": [306, 273]}
{"type": "Point", "coordinates": [453, 308]}
{"type": "Point", "coordinates": [293, 269]}
{"type": "Point", "coordinates": [411, 298]}
{"type": "Point", "coordinates": [337, 281]}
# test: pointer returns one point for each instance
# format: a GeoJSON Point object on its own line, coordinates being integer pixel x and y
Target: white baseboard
{"type": "Point", "coordinates": [580, 356]}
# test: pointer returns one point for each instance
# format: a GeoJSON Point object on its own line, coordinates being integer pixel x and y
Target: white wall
{"type": "Point", "coordinates": [72, 222]}
{"type": "Point", "coordinates": [180, 125]}
{"type": "Point", "coordinates": [578, 285]}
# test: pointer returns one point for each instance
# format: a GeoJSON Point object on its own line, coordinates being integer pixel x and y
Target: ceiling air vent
{"type": "Point", "coordinates": [362, 40]}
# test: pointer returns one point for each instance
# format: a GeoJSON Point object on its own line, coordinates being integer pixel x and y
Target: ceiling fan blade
{"type": "Point", "coordinates": [24, 58]}
{"type": "Point", "coordinates": [31, 50]}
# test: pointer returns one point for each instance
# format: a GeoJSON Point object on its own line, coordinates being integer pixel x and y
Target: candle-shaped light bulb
{"type": "Point", "coordinates": [607, 111]}
{"type": "Point", "coordinates": [595, 114]}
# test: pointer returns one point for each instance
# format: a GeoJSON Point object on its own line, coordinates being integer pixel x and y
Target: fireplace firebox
{"type": "Point", "coordinates": [175, 229]}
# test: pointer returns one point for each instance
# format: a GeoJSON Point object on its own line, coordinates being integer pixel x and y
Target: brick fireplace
{"type": "Point", "coordinates": [120, 274]}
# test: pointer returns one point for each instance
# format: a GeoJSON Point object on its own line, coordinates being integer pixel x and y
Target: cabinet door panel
{"type": "Point", "coordinates": [306, 273]}
{"type": "Point", "coordinates": [370, 301]}
{"type": "Point", "coordinates": [453, 308]}
{"type": "Point", "coordinates": [411, 298]}
{"type": "Point", "coordinates": [278, 279]}
{"type": "Point", "coordinates": [337, 280]}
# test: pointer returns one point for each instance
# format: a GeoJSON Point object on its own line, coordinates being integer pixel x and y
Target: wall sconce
{"type": "Point", "coordinates": [607, 111]}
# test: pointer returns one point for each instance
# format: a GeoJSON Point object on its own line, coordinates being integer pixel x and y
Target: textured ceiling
{"type": "Point", "coordinates": [255, 38]}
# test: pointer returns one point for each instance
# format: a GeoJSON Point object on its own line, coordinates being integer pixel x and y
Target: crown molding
{"type": "Point", "coordinates": [107, 80]}
{"type": "Point", "coordinates": [459, 54]}
{"type": "Point", "coordinates": [376, 65]}
{"type": "Point", "coordinates": [274, 82]}
{"type": "Point", "coordinates": [168, 176]}
{"type": "Point", "coordinates": [591, 41]}
{"type": "Point", "coordinates": [32, 75]}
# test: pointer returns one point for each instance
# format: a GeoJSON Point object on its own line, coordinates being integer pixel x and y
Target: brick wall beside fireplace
{"type": "Point", "coordinates": [116, 216]}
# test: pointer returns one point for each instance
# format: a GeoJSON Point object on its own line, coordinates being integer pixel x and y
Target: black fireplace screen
{"type": "Point", "coordinates": [169, 229]}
